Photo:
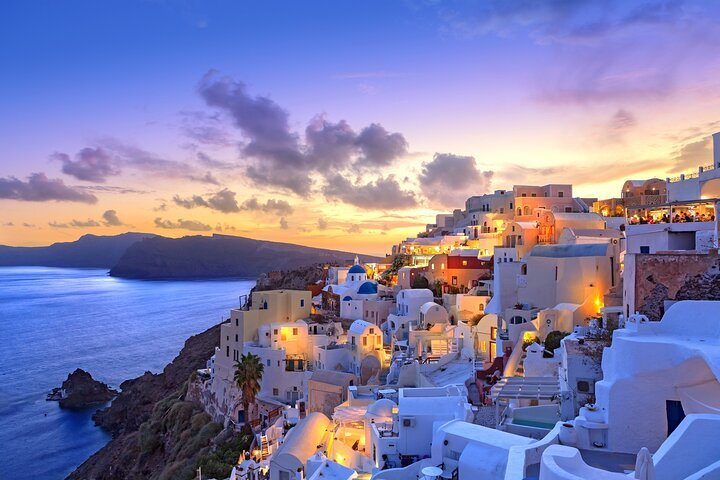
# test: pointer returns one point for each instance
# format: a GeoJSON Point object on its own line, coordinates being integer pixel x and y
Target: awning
{"type": "Point", "coordinates": [540, 388]}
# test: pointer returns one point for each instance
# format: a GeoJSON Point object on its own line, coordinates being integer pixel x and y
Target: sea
{"type": "Point", "coordinates": [54, 320]}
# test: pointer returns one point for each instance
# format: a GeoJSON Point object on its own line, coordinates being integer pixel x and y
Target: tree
{"type": "Point", "coordinates": [248, 373]}
{"type": "Point", "coordinates": [552, 340]}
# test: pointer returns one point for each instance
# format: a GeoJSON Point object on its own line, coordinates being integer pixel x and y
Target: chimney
{"type": "Point", "coordinates": [716, 149]}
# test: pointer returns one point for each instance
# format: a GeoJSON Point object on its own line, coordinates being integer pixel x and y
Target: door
{"type": "Point", "coordinates": [675, 414]}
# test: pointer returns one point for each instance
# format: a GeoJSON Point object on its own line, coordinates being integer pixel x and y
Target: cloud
{"type": "Point", "coordinates": [210, 162]}
{"type": "Point", "coordinates": [322, 224]}
{"type": "Point", "coordinates": [161, 208]}
{"type": "Point", "coordinates": [622, 120]}
{"type": "Point", "coordinates": [39, 188]}
{"type": "Point", "coordinates": [204, 128]}
{"type": "Point", "coordinates": [380, 147]}
{"type": "Point", "coordinates": [28, 225]}
{"type": "Point", "coordinates": [278, 157]}
{"type": "Point", "coordinates": [222, 201]}
{"type": "Point", "coordinates": [383, 193]}
{"type": "Point", "coordinates": [76, 224]}
{"type": "Point", "coordinates": [265, 125]}
{"type": "Point", "coordinates": [693, 154]}
{"type": "Point", "coordinates": [278, 207]}
{"type": "Point", "coordinates": [8, 224]}
{"type": "Point", "coordinates": [207, 178]}
{"type": "Point", "coordinates": [111, 189]}
{"type": "Point", "coordinates": [111, 219]}
{"type": "Point", "coordinates": [90, 165]}
{"type": "Point", "coordinates": [330, 145]}
{"type": "Point", "coordinates": [448, 180]}
{"type": "Point", "coordinates": [283, 223]}
{"type": "Point", "coordinates": [181, 224]}
{"type": "Point", "coordinates": [354, 228]}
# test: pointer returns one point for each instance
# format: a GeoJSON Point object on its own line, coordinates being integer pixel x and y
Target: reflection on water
{"type": "Point", "coordinates": [55, 320]}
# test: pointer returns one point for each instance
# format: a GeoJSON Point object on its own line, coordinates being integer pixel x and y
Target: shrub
{"type": "Point", "coordinates": [420, 282]}
{"type": "Point", "coordinates": [552, 341]}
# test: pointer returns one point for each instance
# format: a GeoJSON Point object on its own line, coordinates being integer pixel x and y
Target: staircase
{"type": "Point", "coordinates": [264, 446]}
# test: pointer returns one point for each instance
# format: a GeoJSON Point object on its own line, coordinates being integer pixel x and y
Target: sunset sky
{"type": "Point", "coordinates": [335, 123]}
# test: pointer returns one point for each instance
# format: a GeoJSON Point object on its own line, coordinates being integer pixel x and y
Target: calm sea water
{"type": "Point", "coordinates": [54, 320]}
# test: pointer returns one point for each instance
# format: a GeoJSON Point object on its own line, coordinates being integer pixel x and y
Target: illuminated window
{"type": "Point", "coordinates": [442, 266]}
{"type": "Point", "coordinates": [464, 263]}
{"type": "Point", "coordinates": [295, 331]}
{"type": "Point", "coordinates": [483, 346]}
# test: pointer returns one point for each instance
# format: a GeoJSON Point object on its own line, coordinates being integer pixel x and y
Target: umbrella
{"type": "Point", "coordinates": [644, 466]}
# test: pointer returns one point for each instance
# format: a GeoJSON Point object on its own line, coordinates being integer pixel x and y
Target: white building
{"type": "Point", "coordinates": [408, 303]}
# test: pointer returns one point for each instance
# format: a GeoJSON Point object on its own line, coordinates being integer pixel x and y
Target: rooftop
{"type": "Point", "coordinates": [570, 250]}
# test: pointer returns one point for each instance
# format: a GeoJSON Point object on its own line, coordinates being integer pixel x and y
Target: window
{"type": "Point", "coordinates": [352, 340]}
{"type": "Point", "coordinates": [268, 362]}
{"type": "Point", "coordinates": [568, 209]}
{"type": "Point", "coordinates": [275, 331]}
{"type": "Point", "coordinates": [276, 392]}
{"type": "Point", "coordinates": [227, 351]}
{"type": "Point", "coordinates": [533, 195]}
{"type": "Point", "coordinates": [432, 267]}
{"type": "Point", "coordinates": [442, 266]}
{"type": "Point", "coordinates": [236, 338]}
{"type": "Point", "coordinates": [237, 322]}
{"type": "Point", "coordinates": [493, 333]}
{"type": "Point", "coordinates": [364, 341]}
{"type": "Point", "coordinates": [295, 331]}
{"type": "Point", "coordinates": [556, 273]}
{"type": "Point", "coordinates": [454, 280]}
{"type": "Point", "coordinates": [561, 194]}
{"type": "Point", "coordinates": [524, 195]}
{"type": "Point", "coordinates": [645, 249]}
{"type": "Point", "coordinates": [302, 302]}
{"type": "Point", "coordinates": [372, 331]}
{"type": "Point", "coordinates": [464, 263]}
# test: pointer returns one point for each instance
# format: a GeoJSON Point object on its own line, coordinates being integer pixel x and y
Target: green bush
{"type": "Point", "coordinates": [149, 439]}
{"type": "Point", "coordinates": [552, 340]}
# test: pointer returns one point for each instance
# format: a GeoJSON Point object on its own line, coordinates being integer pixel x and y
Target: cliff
{"type": "Point", "coordinates": [219, 256]}
{"type": "Point", "coordinates": [89, 251]}
{"type": "Point", "coordinates": [140, 405]}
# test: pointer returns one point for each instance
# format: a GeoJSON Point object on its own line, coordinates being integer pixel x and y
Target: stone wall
{"type": "Point", "coordinates": [674, 276]}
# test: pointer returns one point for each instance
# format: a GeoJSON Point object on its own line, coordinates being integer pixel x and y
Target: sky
{"type": "Point", "coordinates": [343, 125]}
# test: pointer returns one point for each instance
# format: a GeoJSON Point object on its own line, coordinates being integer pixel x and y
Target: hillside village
{"type": "Point", "coordinates": [529, 334]}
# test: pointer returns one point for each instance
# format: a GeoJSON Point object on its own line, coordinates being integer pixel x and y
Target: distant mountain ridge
{"type": "Point", "coordinates": [89, 251]}
{"type": "Point", "coordinates": [219, 256]}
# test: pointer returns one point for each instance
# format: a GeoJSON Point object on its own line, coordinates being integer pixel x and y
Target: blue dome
{"type": "Point", "coordinates": [347, 298]}
{"type": "Point", "coordinates": [367, 288]}
{"type": "Point", "coordinates": [357, 269]}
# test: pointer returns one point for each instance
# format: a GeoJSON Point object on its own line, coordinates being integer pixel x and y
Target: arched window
{"type": "Point", "coordinates": [527, 210]}
{"type": "Point", "coordinates": [519, 211]}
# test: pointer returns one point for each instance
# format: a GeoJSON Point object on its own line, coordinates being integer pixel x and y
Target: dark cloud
{"type": "Point", "coordinates": [278, 157]}
{"type": "Point", "coordinates": [90, 165]}
{"type": "Point", "coordinates": [354, 228]}
{"type": "Point", "coordinates": [283, 223]}
{"type": "Point", "coordinates": [322, 224]}
{"type": "Point", "coordinates": [207, 178]}
{"type": "Point", "coordinates": [383, 193]}
{"type": "Point", "coordinates": [181, 224]}
{"type": "Point", "coordinates": [111, 219]}
{"type": "Point", "coordinates": [330, 145]}
{"type": "Point", "coordinates": [8, 224]}
{"type": "Point", "coordinates": [222, 201]}
{"type": "Point", "coordinates": [76, 224]}
{"type": "Point", "coordinates": [379, 147]}
{"type": "Point", "coordinates": [39, 188]}
{"type": "Point", "coordinates": [161, 208]}
{"type": "Point", "coordinates": [265, 125]}
{"type": "Point", "coordinates": [278, 207]}
{"type": "Point", "coordinates": [447, 180]}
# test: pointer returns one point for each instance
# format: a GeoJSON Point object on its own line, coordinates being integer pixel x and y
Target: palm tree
{"type": "Point", "coordinates": [248, 373]}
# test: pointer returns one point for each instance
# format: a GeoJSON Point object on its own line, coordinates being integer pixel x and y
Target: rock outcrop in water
{"type": "Point", "coordinates": [122, 458]}
{"type": "Point", "coordinates": [81, 390]}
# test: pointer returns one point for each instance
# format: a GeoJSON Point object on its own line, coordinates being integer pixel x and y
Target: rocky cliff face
{"type": "Point", "coordinates": [80, 390]}
{"type": "Point", "coordinates": [122, 458]}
